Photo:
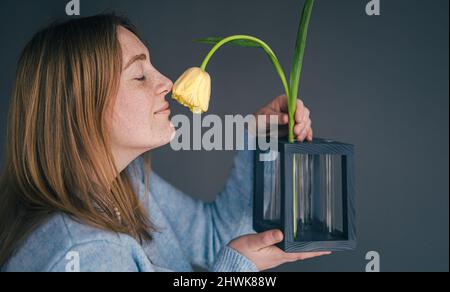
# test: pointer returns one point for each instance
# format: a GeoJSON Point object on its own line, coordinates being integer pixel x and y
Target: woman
{"type": "Point", "coordinates": [86, 106]}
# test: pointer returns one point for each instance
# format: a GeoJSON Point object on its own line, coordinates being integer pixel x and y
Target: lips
{"type": "Point", "coordinates": [164, 110]}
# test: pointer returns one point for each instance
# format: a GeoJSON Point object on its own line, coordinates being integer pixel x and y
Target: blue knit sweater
{"type": "Point", "coordinates": [190, 232]}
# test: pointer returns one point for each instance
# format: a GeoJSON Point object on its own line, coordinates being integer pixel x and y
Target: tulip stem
{"type": "Point", "coordinates": [291, 89]}
{"type": "Point", "coordinates": [266, 48]}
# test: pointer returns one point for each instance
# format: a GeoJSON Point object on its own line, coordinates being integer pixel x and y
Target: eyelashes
{"type": "Point", "coordinates": [141, 79]}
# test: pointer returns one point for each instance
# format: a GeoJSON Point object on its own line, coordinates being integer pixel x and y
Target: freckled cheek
{"type": "Point", "coordinates": [134, 112]}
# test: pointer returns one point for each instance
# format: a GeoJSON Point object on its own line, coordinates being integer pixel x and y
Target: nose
{"type": "Point", "coordinates": [164, 85]}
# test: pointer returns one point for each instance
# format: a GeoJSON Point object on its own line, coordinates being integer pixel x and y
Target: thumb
{"type": "Point", "coordinates": [264, 239]}
{"type": "Point", "coordinates": [282, 118]}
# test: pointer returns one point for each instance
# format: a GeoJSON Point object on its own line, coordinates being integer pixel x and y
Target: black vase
{"type": "Point", "coordinates": [307, 191]}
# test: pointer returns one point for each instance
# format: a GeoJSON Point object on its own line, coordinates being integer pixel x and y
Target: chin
{"type": "Point", "coordinates": [164, 137]}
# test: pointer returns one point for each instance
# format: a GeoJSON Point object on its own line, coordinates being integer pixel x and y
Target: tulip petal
{"type": "Point", "coordinates": [193, 90]}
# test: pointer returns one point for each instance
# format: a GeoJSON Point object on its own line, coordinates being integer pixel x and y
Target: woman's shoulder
{"type": "Point", "coordinates": [61, 240]}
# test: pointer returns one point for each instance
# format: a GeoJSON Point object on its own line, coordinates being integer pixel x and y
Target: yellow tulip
{"type": "Point", "coordinates": [193, 90]}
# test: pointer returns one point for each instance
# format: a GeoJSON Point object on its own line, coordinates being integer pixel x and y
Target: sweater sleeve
{"type": "Point", "coordinates": [229, 260]}
{"type": "Point", "coordinates": [103, 256]}
{"type": "Point", "coordinates": [205, 229]}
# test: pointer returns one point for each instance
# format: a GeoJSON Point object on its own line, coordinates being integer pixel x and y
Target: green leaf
{"type": "Point", "coordinates": [237, 43]}
{"type": "Point", "coordinates": [294, 84]}
{"type": "Point", "coordinates": [297, 65]}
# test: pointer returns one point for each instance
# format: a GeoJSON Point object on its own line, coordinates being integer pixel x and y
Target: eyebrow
{"type": "Point", "coordinates": [136, 58]}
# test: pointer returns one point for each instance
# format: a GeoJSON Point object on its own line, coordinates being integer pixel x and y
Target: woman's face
{"type": "Point", "coordinates": [139, 117]}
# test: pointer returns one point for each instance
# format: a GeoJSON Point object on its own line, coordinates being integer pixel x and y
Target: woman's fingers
{"type": "Point", "coordinates": [282, 102]}
{"type": "Point", "coordinates": [302, 129]}
{"type": "Point", "coordinates": [265, 239]}
{"type": "Point", "coordinates": [283, 118]}
{"type": "Point", "coordinates": [302, 113]}
{"type": "Point", "coordinates": [304, 256]}
{"type": "Point", "coordinates": [282, 257]}
{"type": "Point", "coordinates": [303, 124]}
{"type": "Point", "coordinates": [310, 135]}
{"type": "Point", "coordinates": [298, 130]}
{"type": "Point", "coordinates": [305, 130]}
{"type": "Point", "coordinates": [261, 249]}
{"type": "Point", "coordinates": [305, 117]}
{"type": "Point", "coordinates": [311, 255]}
{"type": "Point", "coordinates": [299, 113]}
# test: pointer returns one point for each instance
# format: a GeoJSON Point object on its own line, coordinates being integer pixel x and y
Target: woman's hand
{"type": "Point", "coordinates": [279, 107]}
{"type": "Point", "coordinates": [261, 250]}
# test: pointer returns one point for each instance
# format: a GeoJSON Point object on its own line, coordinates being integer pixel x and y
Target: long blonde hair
{"type": "Point", "coordinates": [58, 159]}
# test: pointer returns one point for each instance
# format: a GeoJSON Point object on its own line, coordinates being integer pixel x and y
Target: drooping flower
{"type": "Point", "coordinates": [193, 90]}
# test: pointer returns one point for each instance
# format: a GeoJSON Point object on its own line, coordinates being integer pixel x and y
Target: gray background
{"type": "Point", "coordinates": [378, 82]}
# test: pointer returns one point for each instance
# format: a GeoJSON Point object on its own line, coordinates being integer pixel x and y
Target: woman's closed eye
{"type": "Point", "coordinates": [141, 79]}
